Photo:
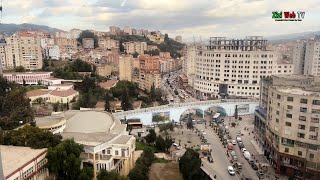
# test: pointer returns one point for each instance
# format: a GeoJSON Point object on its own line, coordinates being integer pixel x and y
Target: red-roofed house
{"type": "Point", "coordinates": [109, 84]}
{"type": "Point", "coordinates": [53, 96]}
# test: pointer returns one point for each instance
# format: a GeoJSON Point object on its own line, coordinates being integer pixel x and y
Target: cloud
{"type": "Point", "coordinates": [177, 17]}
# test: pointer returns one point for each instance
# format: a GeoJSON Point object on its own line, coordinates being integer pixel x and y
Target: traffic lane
{"type": "Point", "coordinates": [247, 169]}
{"type": "Point", "coordinates": [218, 153]}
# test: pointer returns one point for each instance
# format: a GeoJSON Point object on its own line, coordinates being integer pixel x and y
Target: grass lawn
{"type": "Point", "coordinates": [141, 146]}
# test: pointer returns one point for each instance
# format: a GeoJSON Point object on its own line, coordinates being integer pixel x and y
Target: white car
{"type": "Point", "coordinates": [234, 142]}
{"type": "Point", "coordinates": [231, 171]}
{"type": "Point", "coordinates": [243, 150]}
{"type": "Point", "coordinates": [239, 139]}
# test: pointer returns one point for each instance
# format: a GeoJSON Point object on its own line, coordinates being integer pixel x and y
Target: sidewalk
{"type": "Point", "coordinates": [256, 146]}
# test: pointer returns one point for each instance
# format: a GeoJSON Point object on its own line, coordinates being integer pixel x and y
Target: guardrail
{"type": "Point", "coordinates": [177, 105]}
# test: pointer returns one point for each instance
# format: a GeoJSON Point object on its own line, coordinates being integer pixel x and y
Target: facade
{"type": "Point", "coordinates": [88, 43]}
{"type": "Point", "coordinates": [127, 30]}
{"type": "Point", "coordinates": [108, 43]}
{"type": "Point", "coordinates": [75, 33]}
{"type": "Point", "coordinates": [299, 53]}
{"type": "Point", "coordinates": [66, 44]}
{"type": "Point", "coordinates": [53, 96]}
{"type": "Point", "coordinates": [104, 70]}
{"type": "Point", "coordinates": [125, 68]}
{"type": "Point", "coordinates": [165, 55]}
{"type": "Point", "coordinates": [52, 52]}
{"type": "Point", "coordinates": [23, 50]}
{"type": "Point", "coordinates": [20, 163]}
{"type": "Point", "coordinates": [31, 78]}
{"type": "Point", "coordinates": [232, 67]}
{"type": "Point", "coordinates": [149, 63]}
{"type": "Point", "coordinates": [189, 61]}
{"type": "Point", "coordinates": [114, 30]}
{"type": "Point", "coordinates": [132, 47]}
{"type": "Point", "coordinates": [106, 142]}
{"type": "Point", "coordinates": [312, 57]}
{"type": "Point", "coordinates": [287, 124]}
{"type": "Point", "coordinates": [54, 123]}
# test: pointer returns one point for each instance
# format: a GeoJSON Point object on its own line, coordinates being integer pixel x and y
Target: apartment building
{"type": "Point", "coordinates": [23, 50]}
{"type": "Point", "coordinates": [165, 55]}
{"type": "Point", "coordinates": [30, 78]}
{"type": "Point", "coordinates": [127, 30]}
{"type": "Point", "coordinates": [104, 70]}
{"type": "Point", "coordinates": [66, 44]}
{"type": "Point", "coordinates": [312, 57]}
{"type": "Point", "coordinates": [52, 52]}
{"type": "Point", "coordinates": [132, 47]}
{"type": "Point", "coordinates": [149, 63]}
{"type": "Point", "coordinates": [108, 43]}
{"type": "Point", "coordinates": [114, 30]}
{"type": "Point", "coordinates": [2, 56]}
{"type": "Point", "coordinates": [75, 33]}
{"type": "Point", "coordinates": [125, 68]}
{"type": "Point", "coordinates": [228, 67]}
{"type": "Point", "coordinates": [299, 53]}
{"type": "Point", "coordinates": [88, 43]}
{"type": "Point", "coordinates": [149, 72]}
{"type": "Point", "coordinates": [287, 124]}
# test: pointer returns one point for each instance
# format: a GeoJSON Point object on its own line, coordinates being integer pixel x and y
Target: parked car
{"type": "Point", "coordinates": [240, 144]}
{"type": "Point", "coordinates": [210, 159]}
{"type": "Point", "coordinates": [231, 171]}
{"type": "Point", "coordinates": [230, 146]}
{"type": "Point", "coordinates": [247, 155]}
{"type": "Point", "coordinates": [234, 142]}
{"type": "Point", "coordinates": [239, 139]}
{"type": "Point", "coordinates": [233, 153]}
{"type": "Point", "coordinates": [260, 174]}
{"type": "Point", "coordinates": [243, 150]}
{"type": "Point", "coordinates": [254, 166]}
{"type": "Point", "coordinates": [234, 158]}
{"type": "Point", "coordinates": [237, 165]}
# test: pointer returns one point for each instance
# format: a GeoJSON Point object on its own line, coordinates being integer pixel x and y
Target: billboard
{"type": "Point", "coordinates": [243, 108]}
{"type": "Point", "coordinates": [160, 116]}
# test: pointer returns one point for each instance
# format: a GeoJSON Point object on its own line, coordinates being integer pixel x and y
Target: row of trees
{"type": "Point", "coordinates": [143, 163]}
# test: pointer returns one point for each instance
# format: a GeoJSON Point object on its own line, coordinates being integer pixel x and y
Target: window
{"type": "Point", "coordinates": [289, 115]}
{"type": "Point", "coordinates": [277, 112]}
{"type": "Point", "coordinates": [316, 102]}
{"type": "Point", "coordinates": [300, 126]}
{"type": "Point", "coordinates": [278, 96]}
{"type": "Point", "coordinates": [302, 118]}
{"type": "Point", "coordinates": [313, 129]}
{"type": "Point", "coordinates": [316, 111]}
{"type": "Point", "coordinates": [290, 99]}
{"type": "Point", "coordinates": [116, 152]}
{"type": "Point", "coordinates": [288, 124]}
{"type": "Point", "coordinates": [289, 107]}
{"type": "Point", "coordinates": [286, 150]}
{"type": "Point", "coordinates": [314, 120]}
{"type": "Point", "coordinates": [277, 120]}
{"type": "Point", "coordinates": [108, 151]}
{"type": "Point", "coordinates": [311, 156]}
{"type": "Point", "coordinates": [300, 135]}
{"type": "Point", "coordinates": [304, 101]}
{"type": "Point", "coordinates": [303, 109]}
{"type": "Point", "coordinates": [299, 153]}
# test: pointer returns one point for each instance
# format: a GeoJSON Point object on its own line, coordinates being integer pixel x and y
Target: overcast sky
{"type": "Point", "coordinates": [205, 18]}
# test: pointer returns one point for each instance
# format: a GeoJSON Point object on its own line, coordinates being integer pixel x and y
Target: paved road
{"type": "Point", "coordinates": [221, 162]}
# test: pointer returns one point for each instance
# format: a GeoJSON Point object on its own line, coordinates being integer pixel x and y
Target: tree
{"type": "Point", "coordinates": [189, 122]}
{"type": "Point", "coordinates": [105, 175]}
{"type": "Point", "coordinates": [125, 102]}
{"type": "Point", "coordinates": [165, 127]}
{"type": "Point", "coordinates": [135, 55]}
{"type": "Point", "coordinates": [55, 106]}
{"type": "Point", "coordinates": [86, 174]}
{"type": "Point", "coordinates": [168, 142]}
{"type": "Point", "coordinates": [19, 69]}
{"type": "Point", "coordinates": [39, 101]}
{"type": "Point", "coordinates": [24, 82]}
{"type": "Point", "coordinates": [107, 103]}
{"type": "Point", "coordinates": [190, 164]}
{"type": "Point", "coordinates": [64, 161]}
{"type": "Point", "coordinates": [88, 34]}
{"type": "Point", "coordinates": [140, 171]}
{"type": "Point", "coordinates": [151, 137]}
{"type": "Point", "coordinates": [236, 112]}
{"type": "Point", "coordinates": [153, 92]}
{"type": "Point", "coordinates": [33, 137]}
{"type": "Point", "coordinates": [160, 143]}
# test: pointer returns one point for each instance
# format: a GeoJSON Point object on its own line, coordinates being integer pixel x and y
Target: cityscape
{"type": "Point", "coordinates": [166, 90]}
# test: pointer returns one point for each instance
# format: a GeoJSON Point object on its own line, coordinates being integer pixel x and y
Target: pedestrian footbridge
{"type": "Point", "coordinates": [174, 111]}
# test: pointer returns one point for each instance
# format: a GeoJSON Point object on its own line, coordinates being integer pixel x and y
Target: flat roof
{"type": "Point", "coordinates": [89, 139]}
{"type": "Point", "coordinates": [122, 139]}
{"type": "Point", "coordinates": [14, 157]}
{"type": "Point", "coordinates": [48, 121]}
{"type": "Point", "coordinates": [88, 122]}
{"type": "Point", "coordinates": [297, 91]}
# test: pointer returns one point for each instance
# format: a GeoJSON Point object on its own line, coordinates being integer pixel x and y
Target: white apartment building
{"type": "Point", "coordinates": [108, 43]}
{"type": "Point", "coordinates": [128, 30]}
{"type": "Point", "coordinates": [23, 50]}
{"type": "Point", "coordinates": [229, 67]}
{"type": "Point", "coordinates": [46, 41]}
{"type": "Point", "coordinates": [125, 68]}
{"type": "Point", "coordinates": [299, 53]}
{"type": "Point", "coordinates": [75, 33]}
{"type": "Point", "coordinates": [132, 47]}
{"type": "Point", "coordinates": [287, 124]}
{"type": "Point", "coordinates": [189, 61]}
{"type": "Point", "coordinates": [52, 52]}
{"type": "Point", "coordinates": [312, 57]}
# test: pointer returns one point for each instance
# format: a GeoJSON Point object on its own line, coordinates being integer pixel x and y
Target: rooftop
{"type": "Point", "coordinates": [89, 139]}
{"type": "Point", "coordinates": [48, 121]}
{"type": "Point", "coordinates": [60, 93]}
{"type": "Point", "coordinates": [300, 91]}
{"type": "Point", "coordinates": [14, 157]}
{"type": "Point", "coordinates": [122, 139]}
{"type": "Point", "coordinates": [88, 122]}
{"type": "Point", "coordinates": [109, 84]}
{"type": "Point", "coordinates": [25, 73]}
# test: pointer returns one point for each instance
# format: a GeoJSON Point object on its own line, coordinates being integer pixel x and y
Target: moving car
{"type": "Point", "coordinates": [231, 171]}
{"type": "Point", "coordinates": [240, 144]}
{"type": "Point", "coordinates": [234, 158]}
{"type": "Point", "coordinates": [243, 150]}
{"type": "Point", "coordinates": [247, 155]}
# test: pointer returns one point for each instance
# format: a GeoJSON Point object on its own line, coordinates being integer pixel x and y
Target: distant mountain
{"type": "Point", "coordinates": [12, 28]}
{"type": "Point", "coordinates": [293, 37]}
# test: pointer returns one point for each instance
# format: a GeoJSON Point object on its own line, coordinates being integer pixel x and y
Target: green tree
{"type": "Point", "coordinates": [153, 93]}
{"type": "Point", "coordinates": [135, 55]}
{"type": "Point", "coordinates": [88, 34]}
{"type": "Point", "coordinates": [24, 82]}
{"type": "Point", "coordinates": [160, 143]}
{"type": "Point", "coordinates": [189, 122]}
{"type": "Point", "coordinates": [168, 142]}
{"type": "Point", "coordinates": [56, 106]}
{"type": "Point", "coordinates": [19, 69]}
{"type": "Point", "coordinates": [107, 103]}
{"type": "Point", "coordinates": [125, 101]}
{"type": "Point", "coordinates": [151, 137]}
{"type": "Point", "coordinates": [140, 171]}
{"type": "Point", "coordinates": [86, 174]}
{"type": "Point", "coordinates": [190, 164]}
{"type": "Point", "coordinates": [165, 127]}
{"type": "Point", "coordinates": [64, 161]}
{"type": "Point", "coordinates": [105, 175]}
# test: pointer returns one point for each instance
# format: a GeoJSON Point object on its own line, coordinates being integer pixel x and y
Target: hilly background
{"type": "Point", "coordinates": [12, 28]}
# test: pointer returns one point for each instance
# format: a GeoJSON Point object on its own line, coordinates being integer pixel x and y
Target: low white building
{"type": "Point", "coordinates": [30, 78]}
{"type": "Point", "coordinates": [51, 81]}
{"type": "Point", "coordinates": [62, 87]}
{"type": "Point", "coordinates": [53, 96]}
{"type": "Point", "coordinates": [24, 163]}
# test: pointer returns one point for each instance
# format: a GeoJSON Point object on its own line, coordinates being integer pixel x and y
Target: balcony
{"type": "Point", "coordinates": [89, 157]}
